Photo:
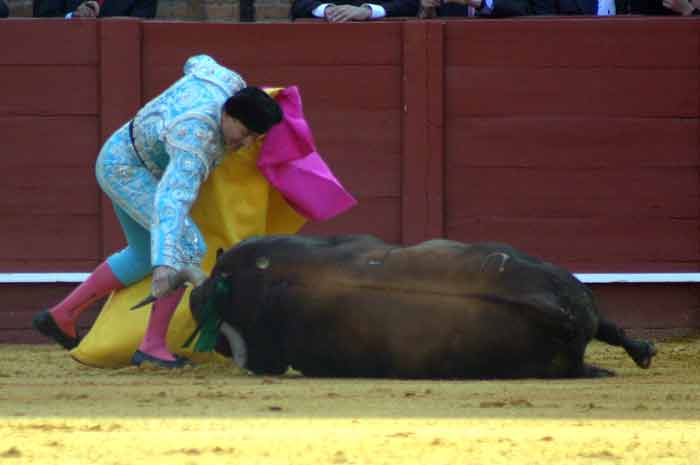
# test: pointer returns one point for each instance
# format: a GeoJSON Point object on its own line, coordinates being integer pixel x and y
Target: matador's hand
{"type": "Point", "coordinates": [162, 281]}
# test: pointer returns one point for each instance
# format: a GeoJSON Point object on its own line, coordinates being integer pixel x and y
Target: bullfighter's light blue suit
{"type": "Point", "coordinates": [153, 182]}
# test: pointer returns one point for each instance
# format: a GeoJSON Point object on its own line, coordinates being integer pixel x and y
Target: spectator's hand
{"type": "Point", "coordinates": [162, 279]}
{"type": "Point", "coordinates": [472, 3]}
{"type": "Point", "coordinates": [683, 7]}
{"type": "Point", "coordinates": [89, 9]}
{"type": "Point", "coordinates": [427, 9]}
{"type": "Point", "coordinates": [344, 13]}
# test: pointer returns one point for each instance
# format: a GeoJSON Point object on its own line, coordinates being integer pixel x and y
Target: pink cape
{"type": "Point", "coordinates": [290, 162]}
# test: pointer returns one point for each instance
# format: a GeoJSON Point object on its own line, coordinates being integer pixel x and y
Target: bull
{"type": "Point", "coordinates": [355, 306]}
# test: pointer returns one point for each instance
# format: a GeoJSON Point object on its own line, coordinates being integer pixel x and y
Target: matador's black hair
{"type": "Point", "coordinates": [254, 108]}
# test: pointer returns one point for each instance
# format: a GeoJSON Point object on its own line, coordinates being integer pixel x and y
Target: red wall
{"type": "Point", "coordinates": [576, 139]}
{"type": "Point", "coordinates": [579, 140]}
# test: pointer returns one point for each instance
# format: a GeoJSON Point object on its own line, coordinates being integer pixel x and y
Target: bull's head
{"type": "Point", "coordinates": [208, 299]}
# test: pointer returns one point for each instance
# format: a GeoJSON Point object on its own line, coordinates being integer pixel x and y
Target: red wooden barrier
{"type": "Point", "coordinates": [575, 139]}
{"type": "Point", "coordinates": [49, 131]}
{"type": "Point", "coordinates": [578, 138]}
{"type": "Point", "coordinates": [120, 92]}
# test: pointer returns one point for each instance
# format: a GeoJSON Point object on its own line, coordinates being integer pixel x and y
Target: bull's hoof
{"type": "Point", "coordinates": [642, 353]}
{"type": "Point", "coordinates": [142, 358]}
{"type": "Point", "coordinates": [46, 325]}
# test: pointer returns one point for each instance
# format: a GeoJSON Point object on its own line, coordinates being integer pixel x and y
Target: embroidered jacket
{"type": "Point", "coordinates": [178, 138]}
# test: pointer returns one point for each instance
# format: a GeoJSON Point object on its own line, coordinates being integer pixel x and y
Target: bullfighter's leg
{"type": "Point", "coordinates": [641, 351]}
{"type": "Point", "coordinates": [131, 265]}
{"type": "Point", "coordinates": [59, 321]}
{"type": "Point", "coordinates": [132, 188]}
{"type": "Point", "coordinates": [123, 268]}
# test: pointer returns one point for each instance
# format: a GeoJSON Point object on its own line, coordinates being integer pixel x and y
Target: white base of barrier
{"type": "Point", "coordinates": [590, 278]}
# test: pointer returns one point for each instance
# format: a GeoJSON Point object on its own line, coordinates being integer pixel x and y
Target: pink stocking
{"type": "Point", "coordinates": [154, 341]}
{"type": "Point", "coordinates": [100, 283]}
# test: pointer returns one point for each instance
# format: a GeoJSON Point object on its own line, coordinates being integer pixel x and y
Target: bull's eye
{"type": "Point", "coordinates": [262, 263]}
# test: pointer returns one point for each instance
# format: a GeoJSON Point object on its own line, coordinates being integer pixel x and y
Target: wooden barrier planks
{"type": "Point", "coordinates": [49, 134]}
{"type": "Point", "coordinates": [576, 140]}
{"type": "Point", "coordinates": [650, 306]}
{"type": "Point", "coordinates": [120, 97]}
{"type": "Point", "coordinates": [48, 90]}
{"type": "Point", "coordinates": [22, 301]}
{"type": "Point", "coordinates": [593, 92]}
{"type": "Point", "coordinates": [42, 239]}
{"type": "Point", "coordinates": [645, 194]}
{"type": "Point", "coordinates": [351, 88]}
{"type": "Point", "coordinates": [593, 245]}
{"type": "Point", "coordinates": [46, 42]}
{"type": "Point", "coordinates": [236, 45]}
{"type": "Point", "coordinates": [379, 216]}
{"type": "Point", "coordinates": [422, 155]}
{"type": "Point", "coordinates": [574, 42]}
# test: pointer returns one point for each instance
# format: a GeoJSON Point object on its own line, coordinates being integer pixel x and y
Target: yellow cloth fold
{"type": "Point", "coordinates": [235, 203]}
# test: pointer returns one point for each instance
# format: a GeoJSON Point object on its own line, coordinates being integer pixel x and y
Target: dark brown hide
{"type": "Point", "coordinates": [356, 306]}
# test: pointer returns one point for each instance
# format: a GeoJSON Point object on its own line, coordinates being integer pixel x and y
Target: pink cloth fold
{"type": "Point", "coordinates": [290, 162]}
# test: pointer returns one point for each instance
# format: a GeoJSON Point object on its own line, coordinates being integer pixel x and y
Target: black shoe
{"type": "Point", "coordinates": [142, 357]}
{"type": "Point", "coordinates": [46, 325]}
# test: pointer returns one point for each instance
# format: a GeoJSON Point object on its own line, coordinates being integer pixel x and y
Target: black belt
{"type": "Point", "coordinates": [133, 143]}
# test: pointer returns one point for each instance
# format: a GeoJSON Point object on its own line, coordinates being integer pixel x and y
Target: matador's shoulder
{"type": "Point", "coordinates": [205, 68]}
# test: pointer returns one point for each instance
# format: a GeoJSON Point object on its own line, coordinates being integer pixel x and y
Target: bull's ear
{"type": "Point", "coordinates": [219, 253]}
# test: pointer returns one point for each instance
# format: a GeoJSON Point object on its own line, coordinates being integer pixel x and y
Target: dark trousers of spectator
{"type": "Point", "coordinates": [452, 9]}
{"type": "Point", "coordinates": [648, 7]}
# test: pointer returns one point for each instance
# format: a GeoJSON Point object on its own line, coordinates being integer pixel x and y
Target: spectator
{"type": "Point", "coordinates": [505, 8]}
{"type": "Point", "coordinates": [581, 7]}
{"type": "Point", "coordinates": [353, 10]}
{"type": "Point", "coordinates": [95, 8]}
{"type": "Point", "coordinates": [4, 11]}
{"type": "Point", "coordinates": [665, 7]}
{"type": "Point", "coordinates": [683, 7]}
{"type": "Point", "coordinates": [493, 8]}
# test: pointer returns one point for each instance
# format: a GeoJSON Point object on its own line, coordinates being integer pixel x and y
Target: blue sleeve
{"type": "Point", "coordinates": [187, 144]}
{"type": "Point", "coordinates": [197, 61]}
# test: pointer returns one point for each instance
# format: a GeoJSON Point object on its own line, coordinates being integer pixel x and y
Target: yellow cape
{"type": "Point", "coordinates": [236, 202]}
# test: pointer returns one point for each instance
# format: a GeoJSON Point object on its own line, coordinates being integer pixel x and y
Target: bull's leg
{"type": "Point", "coordinates": [591, 371]}
{"type": "Point", "coordinates": [579, 369]}
{"type": "Point", "coordinates": [641, 351]}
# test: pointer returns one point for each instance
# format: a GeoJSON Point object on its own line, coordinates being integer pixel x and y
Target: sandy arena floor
{"type": "Point", "coordinates": [56, 412]}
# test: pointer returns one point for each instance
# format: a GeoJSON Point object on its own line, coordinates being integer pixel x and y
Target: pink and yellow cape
{"type": "Point", "coordinates": [272, 187]}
